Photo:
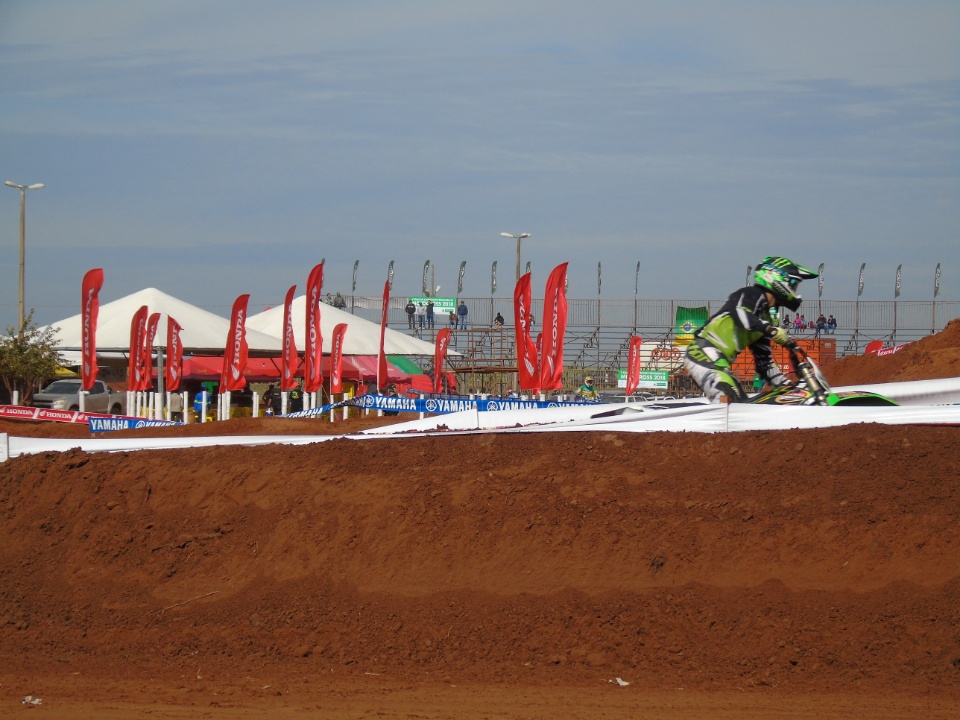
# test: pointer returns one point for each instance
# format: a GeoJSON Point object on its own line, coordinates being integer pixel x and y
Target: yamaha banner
{"type": "Point", "coordinates": [437, 405]}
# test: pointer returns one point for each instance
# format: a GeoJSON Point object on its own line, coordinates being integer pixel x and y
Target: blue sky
{"type": "Point", "coordinates": [216, 148]}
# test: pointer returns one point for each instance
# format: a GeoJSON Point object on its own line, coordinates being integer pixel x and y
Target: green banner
{"type": "Point", "coordinates": [689, 320]}
{"type": "Point", "coordinates": [648, 379]}
{"type": "Point", "coordinates": [441, 305]}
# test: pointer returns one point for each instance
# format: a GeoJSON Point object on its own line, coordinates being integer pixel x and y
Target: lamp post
{"type": "Point", "coordinates": [23, 205]}
{"type": "Point", "coordinates": [518, 238]}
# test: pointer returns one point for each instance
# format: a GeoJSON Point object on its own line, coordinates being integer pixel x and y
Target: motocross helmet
{"type": "Point", "coordinates": [782, 277]}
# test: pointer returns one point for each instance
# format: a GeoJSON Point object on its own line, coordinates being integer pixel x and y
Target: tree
{"type": "Point", "coordinates": [28, 357]}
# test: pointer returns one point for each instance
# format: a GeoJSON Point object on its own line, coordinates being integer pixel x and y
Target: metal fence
{"type": "Point", "coordinates": [875, 317]}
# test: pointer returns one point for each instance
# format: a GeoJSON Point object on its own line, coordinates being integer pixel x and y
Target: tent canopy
{"type": "Point", "coordinates": [204, 333]}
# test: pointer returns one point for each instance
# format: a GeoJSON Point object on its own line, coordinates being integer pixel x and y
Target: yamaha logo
{"type": "Point", "coordinates": [431, 405]}
{"type": "Point", "coordinates": [492, 405]}
{"type": "Point", "coordinates": [366, 401]}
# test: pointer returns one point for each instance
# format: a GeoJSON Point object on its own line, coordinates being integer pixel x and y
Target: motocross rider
{"type": "Point", "coordinates": [744, 322]}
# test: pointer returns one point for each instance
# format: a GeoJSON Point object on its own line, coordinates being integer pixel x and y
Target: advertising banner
{"type": "Point", "coordinates": [90, 309]}
{"type": "Point", "coordinates": [313, 351]}
{"type": "Point", "coordinates": [633, 365]}
{"type": "Point", "coordinates": [173, 372]}
{"type": "Point", "coordinates": [235, 352]}
{"type": "Point", "coordinates": [439, 355]}
{"type": "Point", "coordinates": [138, 331]}
{"type": "Point", "coordinates": [527, 371]}
{"type": "Point", "coordinates": [381, 353]}
{"type": "Point", "coordinates": [336, 358]}
{"type": "Point", "coordinates": [146, 359]}
{"type": "Point", "coordinates": [554, 329]}
{"type": "Point", "coordinates": [289, 359]}
{"type": "Point", "coordinates": [442, 306]}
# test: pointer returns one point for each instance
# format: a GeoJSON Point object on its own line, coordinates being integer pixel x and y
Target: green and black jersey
{"type": "Point", "coordinates": [742, 322]}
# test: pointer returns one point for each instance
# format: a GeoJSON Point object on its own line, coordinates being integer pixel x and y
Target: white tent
{"type": "Point", "coordinates": [204, 333]}
{"type": "Point", "coordinates": [362, 337]}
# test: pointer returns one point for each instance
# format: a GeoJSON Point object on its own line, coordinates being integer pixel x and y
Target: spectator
{"type": "Point", "coordinates": [462, 313]}
{"type": "Point", "coordinates": [411, 311]}
{"type": "Point", "coordinates": [798, 324]}
{"type": "Point", "coordinates": [511, 393]}
{"type": "Point", "coordinates": [199, 406]}
{"type": "Point", "coordinates": [421, 315]}
{"type": "Point", "coordinates": [328, 299]}
{"type": "Point", "coordinates": [821, 325]}
{"type": "Point", "coordinates": [587, 391]}
{"type": "Point", "coordinates": [273, 401]}
{"type": "Point", "coordinates": [339, 302]}
{"type": "Point", "coordinates": [430, 317]}
{"type": "Point", "coordinates": [296, 398]}
{"type": "Point", "coordinates": [831, 324]}
{"type": "Point", "coordinates": [498, 321]}
{"type": "Point", "coordinates": [391, 391]}
{"type": "Point", "coordinates": [453, 319]}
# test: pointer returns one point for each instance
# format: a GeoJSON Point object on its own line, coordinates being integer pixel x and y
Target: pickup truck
{"type": "Point", "coordinates": [65, 395]}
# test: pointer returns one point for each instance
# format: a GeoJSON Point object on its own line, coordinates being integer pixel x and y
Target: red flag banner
{"type": "Point", "coordinates": [146, 357]}
{"type": "Point", "coordinates": [313, 352]}
{"type": "Point", "coordinates": [633, 365]}
{"type": "Point", "coordinates": [527, 374]}
{"type": "Point", "coordinates": [235, 353]}
{"type": "Point", "coordinates": [173, 372]}
{"type": "Point", "coordinates": [289, 361]}
{"type": "Point", "coordinates": [382, 355]}
{"type": "Point", "coordinates": [90, 309]}
{"type": "Point", "coordinates": [554, 329]}
{"type": "Point", "coordinates": [336, 358]}
{"type": "Point", "coordinates": [439, 355]}
{"type": "Point", "coordinates": [138, 332]}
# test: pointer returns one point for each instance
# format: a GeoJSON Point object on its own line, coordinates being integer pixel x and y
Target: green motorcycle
{"type": "Point", "coordinates": [812, 387]}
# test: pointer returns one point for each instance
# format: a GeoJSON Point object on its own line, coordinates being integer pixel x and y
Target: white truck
{"type": "Point", "coordinates": [65, 395]}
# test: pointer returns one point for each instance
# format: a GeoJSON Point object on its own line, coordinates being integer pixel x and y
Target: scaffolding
{"type": "Point", "coordinates": [598, 335]}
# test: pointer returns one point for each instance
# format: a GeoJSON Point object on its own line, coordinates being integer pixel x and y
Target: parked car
{"type": "Point", "coordinates": [65, 395]}
{"type": "Point", "coordinates": [636, 397]}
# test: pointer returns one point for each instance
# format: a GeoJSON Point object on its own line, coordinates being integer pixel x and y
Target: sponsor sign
{"type": "Point", "coordinates": [111, 423]}
{"type": "Point", "coordinates": [648, 379]}
{"type": "Point", "coordinates": [654, 379]}
{"type": "Point", "coordinates": [441, 305]}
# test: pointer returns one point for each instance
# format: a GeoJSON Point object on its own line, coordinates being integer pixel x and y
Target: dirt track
{"type": "Point", "coordinates": [799, 574]}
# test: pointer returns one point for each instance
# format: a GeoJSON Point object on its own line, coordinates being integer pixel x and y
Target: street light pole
{"type": "Point", "coordinates": [23, 227]}
{"type": "Point", "coordinates": [518, 238]}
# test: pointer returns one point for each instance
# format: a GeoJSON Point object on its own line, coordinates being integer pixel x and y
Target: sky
{"type": "Point", "coordinates": [211, 149]}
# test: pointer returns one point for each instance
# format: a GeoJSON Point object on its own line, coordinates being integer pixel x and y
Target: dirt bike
{"type": "Point", "coordinates": [812, 387]}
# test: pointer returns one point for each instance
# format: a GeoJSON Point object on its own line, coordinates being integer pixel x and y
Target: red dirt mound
{"type": "Point", "coordinates": [932, 358]}
{"type": "Point", "coordinates": [492, 576]}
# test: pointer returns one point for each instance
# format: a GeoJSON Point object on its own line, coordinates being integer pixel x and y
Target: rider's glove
{"type": "Point", "coordinates": [778, 335]}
